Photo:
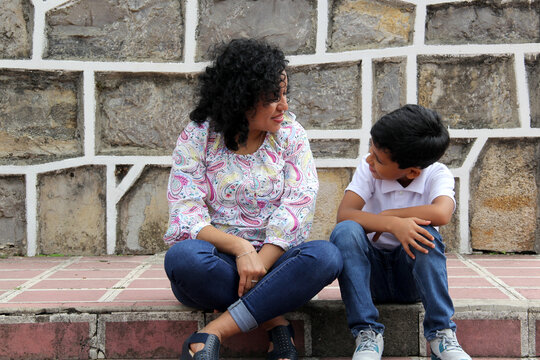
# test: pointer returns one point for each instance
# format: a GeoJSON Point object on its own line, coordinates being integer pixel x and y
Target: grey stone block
{"type": "Point", "coordinates": [12, 216]}
{"type": "Point", "coordinates": [504, 204]}
{"type": "Point", "coordinates": [116, 30]}
{"type": "Point", "coordinates": [326, 96]}
{"type": "Point", "coordinates": [292, 25]}
{"type": "Point", "coordinates": [141, 114]}
{"type": "Point", "coordinates": [329, 321]}
{"type": "Point", "coordinates": [389, 86]}
{"type": "Point", "coordinates": [457, 152]}
{"type": "Point", "coordinates": [469, 92]}
{"type": "Point", "coordinates": [346, 148]}
{"type": "Point", "coordinates": [363, 24]}
{"type": "Point", "coordinates": [16, 22]}
{"type": "Point", "coordinates": [71, 211]}
{"type": "Point", "coordinates": [483, 22]}
{"type": "Point", "coordinates": [532, 64]}
{"type": "Point", "coordinates": [41, 117]}
{"type": "Point", "coordinates": [143, 214]}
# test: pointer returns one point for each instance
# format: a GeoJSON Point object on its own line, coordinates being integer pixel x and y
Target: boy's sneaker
{"type": "Point", "coordinates": [446, 347]}
{"type": "Point", "coordinates": [369, 346]}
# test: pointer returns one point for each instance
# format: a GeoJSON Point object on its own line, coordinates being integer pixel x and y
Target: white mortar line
{"type": "Point", "coordinates": [334, 134]}
{"type": "Point", "coordinates": [50, 4]}
{"type": "Point", "coordinates": [190, 26]}
{"type": "Point", "coordinates": [522, 89]}
{"type": "Point", "coordinates": [464, 193]}
{"type": "Point", "coordinates": [89, 101]}
{"type": "Point", "coordinates": [410, 79]}
{"type": "Point", "coordinates": [31, 213]}
{"type": "Point", "coordinates": [128, 180]}
{"type": "Point", "coordinates": [322, 26]}
{"type": "Point", "coordinates": [468, 50]}
{"type": "Point", "coordinates": [112, 293]}
{"type": "Point", "coordinates": [492, 279]}
{"type": "Point", "coordinates": [38, 36]}
{"type": "Point", "coordinates": [111, 209]}
{"type": "Point", "coordinates": [7, 296]}
{"type": "Point", "coordinates": [367, 104]}
{"type": "Point", "coordinates": [337, 163]}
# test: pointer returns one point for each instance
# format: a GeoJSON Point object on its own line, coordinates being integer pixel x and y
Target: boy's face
{"type": "Point", "coordinates": [383, 168]}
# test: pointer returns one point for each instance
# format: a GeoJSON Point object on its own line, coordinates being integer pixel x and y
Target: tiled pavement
{"type": "Point", "coordinates": [90, 307]}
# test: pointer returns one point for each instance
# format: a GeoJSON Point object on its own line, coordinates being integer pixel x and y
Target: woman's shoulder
{"type": "Point", "coordinates": [290, 128]}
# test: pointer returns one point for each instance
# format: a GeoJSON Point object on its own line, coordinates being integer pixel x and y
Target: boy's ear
{"type": "Point", "coordinates": [414, 172]}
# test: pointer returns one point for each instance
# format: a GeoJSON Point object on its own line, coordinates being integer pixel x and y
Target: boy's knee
{"type": "Point", "coordinates": [348, 233]}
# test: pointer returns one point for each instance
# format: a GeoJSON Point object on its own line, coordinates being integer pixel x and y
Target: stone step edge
{"type": "Point", "coordinates": [512, 326]}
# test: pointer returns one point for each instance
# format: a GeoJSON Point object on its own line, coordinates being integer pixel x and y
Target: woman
{"type": "Point", "coordinates": [241, 196]}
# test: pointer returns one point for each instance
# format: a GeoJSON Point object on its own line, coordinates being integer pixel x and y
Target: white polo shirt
{"type": "Point", "coordinates": [380, 195]}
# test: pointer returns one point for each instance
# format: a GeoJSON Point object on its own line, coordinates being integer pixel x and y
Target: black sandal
{"type": "Point", "coordinates": [281, 336]}
{"type": "Point", "coordinates": [209, 352]}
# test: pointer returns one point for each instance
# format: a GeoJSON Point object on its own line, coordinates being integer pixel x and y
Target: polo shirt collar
{"type": "Point", "coordinates": [417, 185]}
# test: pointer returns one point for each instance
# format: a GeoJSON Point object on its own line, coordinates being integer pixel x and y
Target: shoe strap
{"type": "Point", "coordinates": [279, 331]}
{"type": "Point", "coordinates": [198, 337]}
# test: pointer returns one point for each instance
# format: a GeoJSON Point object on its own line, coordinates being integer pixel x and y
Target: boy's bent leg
{"type": "Point", "coordinates": [201, 276]}
{"type": "Point", "coordinates": [297, 276]}
{"type": "Point", "coordinates": [430, 275]}
{"type": "Point", "coordinates": [354, 281]}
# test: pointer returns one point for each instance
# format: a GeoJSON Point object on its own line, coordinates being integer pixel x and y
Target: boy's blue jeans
{"type": "Point", "coordinates": [204, 278]}
{"type": "Point", "coordinates": [370, 274]}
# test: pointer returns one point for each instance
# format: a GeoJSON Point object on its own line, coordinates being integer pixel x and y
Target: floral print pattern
{"type": "Point", "coordinates": [264, 197]}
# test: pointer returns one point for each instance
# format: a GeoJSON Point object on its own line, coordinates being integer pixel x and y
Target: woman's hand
{"type": "Point", "coordinates": [250, 269]}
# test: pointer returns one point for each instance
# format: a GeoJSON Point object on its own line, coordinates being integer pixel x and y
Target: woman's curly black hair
{"type": "Point", "coordinates": [244, 72]}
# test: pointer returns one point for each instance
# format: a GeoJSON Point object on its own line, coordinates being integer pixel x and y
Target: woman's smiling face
{"type": "Point", "coordinates": [269, 116]}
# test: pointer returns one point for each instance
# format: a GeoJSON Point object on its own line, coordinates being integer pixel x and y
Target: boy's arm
{"type": "Point", "coordinates": [439, 212]}
{"type": "Point", "coordinates": [407, 230]}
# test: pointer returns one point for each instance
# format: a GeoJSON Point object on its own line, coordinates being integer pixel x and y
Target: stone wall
{"type": "Point", "coordinates": [93, 94]}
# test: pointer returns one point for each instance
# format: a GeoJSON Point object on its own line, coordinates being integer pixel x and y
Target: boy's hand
{"type": "Point", "coordinates": [409, 233]}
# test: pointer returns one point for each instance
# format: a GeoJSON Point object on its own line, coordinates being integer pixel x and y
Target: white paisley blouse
{"type": "Point", "coordinates": [264, 197]}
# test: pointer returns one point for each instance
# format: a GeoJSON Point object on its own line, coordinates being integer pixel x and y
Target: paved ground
{"type": "Point", "coordinates": [141, 281]}
{"type": "Point", "coordinates": [96, 307]}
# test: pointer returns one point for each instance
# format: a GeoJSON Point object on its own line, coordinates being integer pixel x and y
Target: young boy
{"type": "Point", "coordinates": [385, 232]}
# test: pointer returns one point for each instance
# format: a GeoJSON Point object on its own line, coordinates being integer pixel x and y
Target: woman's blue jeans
{"type": "Point", "coordinates": [204, 278]}
{"type": "Point", "coordinates": [372, 275]}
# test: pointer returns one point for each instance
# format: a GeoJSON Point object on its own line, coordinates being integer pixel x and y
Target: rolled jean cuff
{"type": "Point", "coordinates": [241, 315]}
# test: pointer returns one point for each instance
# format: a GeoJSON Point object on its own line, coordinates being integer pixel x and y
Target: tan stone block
{"type": "Point", "coordinates": [470, 92]}
{"type": "Point", "coordinates": [12, 215]}
{"type": "Point", "coordinates": [141, 114]}
{"type": "Point", "coordinates": [332, 184]}
{"type": "Point", "coordinates": [532, 64]}
{"type": "Point", "coordinates": [116, 30]}
{"type": "Point", "coordinates": [504, 211]}
{"type": "Point", "coordinates": [366, 24]}
{"type": "Point", "coordinates": [41, 117]}
{"type": "Point", "coordinates": [71, 211]}
{"type": "Point", "coordinates": [450, 232]}
{"type": "Point", "coordinates": [16, 22]}
{"type": "Point", "coordinates": [143, 214]}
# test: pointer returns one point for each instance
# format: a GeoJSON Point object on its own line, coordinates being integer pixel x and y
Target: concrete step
{"type": "Point", "coordinates": [121, 307]}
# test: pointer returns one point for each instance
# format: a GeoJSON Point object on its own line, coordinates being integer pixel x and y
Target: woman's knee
{"type": "Point", "coordinates": [328, 257]}
{"type": "Point", "coordinates": [183, 256]}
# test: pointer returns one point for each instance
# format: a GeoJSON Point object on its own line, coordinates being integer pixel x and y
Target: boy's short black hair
{"type": "Point", "coordinates": [413, 135]}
